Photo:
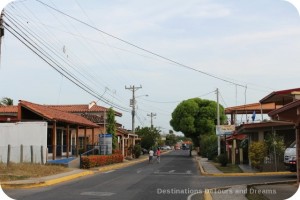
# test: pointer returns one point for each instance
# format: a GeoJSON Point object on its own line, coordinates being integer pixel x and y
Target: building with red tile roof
{"type": "Point", "coordinates": [282, 97]}
{"type": "Point", "coordinates": [83, 108]}
{"type": "Point", "coordinates": [257, 131]}
{"type": "Point", "coordinates": [50, 114]}
{"type": "Point", "coordinates": [70, 126]}
{"type": "Point", "coordinates": [291, 113]}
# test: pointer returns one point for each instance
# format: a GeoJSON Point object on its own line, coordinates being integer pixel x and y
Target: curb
{"type": "Point", "coordinates": [251, 174]}
{"type": "Point", "coordinates": [41, 183]}
{"type": "Point", "coordinates": [200, 167]}
{"type": "Point", "coordinates": [120, 165]}
{"type": "Point", "coordinates": [203, 172]}
{"type": "Point", "coordinates": [208, 196]}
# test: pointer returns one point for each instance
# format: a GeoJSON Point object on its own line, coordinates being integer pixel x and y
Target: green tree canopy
{"type": "Point", "coordinates": [150, 136]}
{"type": "Point", "coordinates": [171, 139]}
{"type": "Point", "coordinates": [111, 126]}
{"type": "Point", "coordinates": [195, 117]}
{"type": "Point", "coordinates": [5, 101]}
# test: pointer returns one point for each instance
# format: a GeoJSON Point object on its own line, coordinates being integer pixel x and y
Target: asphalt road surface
{"type": "Point", "coordinates": [175, 177]}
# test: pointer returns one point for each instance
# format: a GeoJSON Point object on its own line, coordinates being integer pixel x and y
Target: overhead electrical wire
{"type": "Point", "coordinates": [86, 74]}
{"type": "Point", "coordinates": [178, 101]}
{"type": "Point", "coordinates": [87, 88]}
{"type": "Point", "coordinates": [43, 42]}
{"type": "Point", "coordinates": [95, 51]}
{"type": "Point", "coordinates": [141, 48]}
{"type": "Point", "coordinates": [55, 64]}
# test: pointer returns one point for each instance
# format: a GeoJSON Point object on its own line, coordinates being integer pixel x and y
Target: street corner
{"type": "Point", "coordinates": [45, 181]}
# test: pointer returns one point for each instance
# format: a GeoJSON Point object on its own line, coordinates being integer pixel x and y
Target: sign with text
{"type": "Point", "coordinates": [225, 129]}
{"type": "Point", "coordinates": [105, 141]}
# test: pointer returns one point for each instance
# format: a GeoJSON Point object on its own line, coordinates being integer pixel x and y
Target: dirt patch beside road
{"type": "Point", "coordinates": [23, 171]}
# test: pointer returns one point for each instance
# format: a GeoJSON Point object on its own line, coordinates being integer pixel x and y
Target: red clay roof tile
{"type": "Point", "coordinates": [8, 109]}
{"type": "Point", "coordinates": [55, 114]}
{"type": "Point", "coordinates": [81, 108]}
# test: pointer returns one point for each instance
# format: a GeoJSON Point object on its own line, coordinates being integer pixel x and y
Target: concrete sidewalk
{"type": "Point", "coordinates": [207, 168]}
{"type": "Point", "coordinates": [272, 190]}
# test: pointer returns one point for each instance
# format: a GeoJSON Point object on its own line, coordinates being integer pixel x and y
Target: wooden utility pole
{"type": "Point", "coordinates": [151, 115]}
{"type": "Point", "coordinates": [218, 122]}
{"type": "Point", "coordinates": [132, 103]}
{"type": "Point", "coordinates": [1, 30]}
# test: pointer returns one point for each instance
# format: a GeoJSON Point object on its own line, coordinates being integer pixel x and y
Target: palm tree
{"type": "Point", "coordinates": [5, 101]}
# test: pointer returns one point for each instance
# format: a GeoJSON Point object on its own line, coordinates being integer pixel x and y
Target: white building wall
{"type": "Point", "coordinates": [26, 134]}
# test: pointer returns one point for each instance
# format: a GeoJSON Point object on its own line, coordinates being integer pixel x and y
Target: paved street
{"type": "Point", "coordinates": [176, 177]}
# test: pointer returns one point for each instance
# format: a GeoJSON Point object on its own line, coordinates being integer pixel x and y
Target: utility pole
{"type": "Point", "coordinates": [151, 115]}
{"type": "Point", "coordinates": [218, 122]}
{"type": "Point", "coordinates": [132, 103]}
{"type": "Point", "coordinates": [1, 30]}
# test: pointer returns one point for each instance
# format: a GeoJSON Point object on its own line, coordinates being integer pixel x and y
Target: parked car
{"type": "Point", "coordinates": [185, 147]}
{"type": "Point", "coordinates": [168, 148]}
{"type": "Point", "coordinates": [290, 157]}
{"type": "Point", "coordinates": [165, 147]}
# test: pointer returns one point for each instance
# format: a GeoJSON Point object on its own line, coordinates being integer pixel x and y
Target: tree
{"type": "Point", "coordinates": [276, 148]}
{"type": "Point", "coordinates": [5, 101]}
{"type": "Point", "coordinates": [275, 145]}
{"type": "Point", "coordinates": [150, 136]}
{"type": "Point", "coordinates": [171, 139]}
{"type": "Point", "coordinates": [196, 117]}
{"type": "Point", "coordinates": [111, 126]}
{"type": "Point", "coordinates": [137, 150]}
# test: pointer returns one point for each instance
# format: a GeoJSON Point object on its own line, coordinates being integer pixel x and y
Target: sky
{"type": "Point", "coordinates": [173, 49]}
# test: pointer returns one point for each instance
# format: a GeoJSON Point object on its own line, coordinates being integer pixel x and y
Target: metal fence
{"type": "Point", "coordinates": [273, 163]}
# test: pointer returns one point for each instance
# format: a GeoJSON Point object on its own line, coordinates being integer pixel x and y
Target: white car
{"type": "Point", "coordinates": [168, 148]}
{"type": "Point", "coordinates": [290, 157]}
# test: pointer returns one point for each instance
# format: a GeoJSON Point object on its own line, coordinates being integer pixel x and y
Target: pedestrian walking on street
{"type": "Point", "coordinates": [151, 152]}
{"type": "Point", "coordinates": [158, 155]}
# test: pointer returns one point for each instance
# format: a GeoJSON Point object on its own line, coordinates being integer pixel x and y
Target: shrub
{"type": "Point", "coordinates": [222, 159]}
{"type": "Point", "coordinates": [137, 151]}
{"type": "Point", "coordinates": [257, 153]}
{"type": "Point", "coordinates": [209, 146]}
{"type": "Point", "coordinates": [100, 160]}
{"type": "Point", "coordinates": [116, 151]}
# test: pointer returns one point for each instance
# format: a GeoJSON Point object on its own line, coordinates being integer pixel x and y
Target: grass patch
{"type": "Point", "coordinates": [230, 168]}
{"type": "Point", "coordinates": [23, 171]}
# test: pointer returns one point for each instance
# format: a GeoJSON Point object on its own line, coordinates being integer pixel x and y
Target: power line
{"type": "Point", "coordinates": [33, 46]}
{"type": "Point", "coordinates": [138, 47]}
{"type": "Point", "coordinates": [87, 74]}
